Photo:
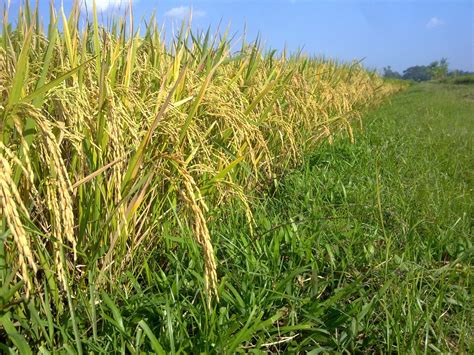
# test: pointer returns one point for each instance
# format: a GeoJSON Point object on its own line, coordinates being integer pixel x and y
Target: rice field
{"type": "Point", "coordinates": [122, 145]}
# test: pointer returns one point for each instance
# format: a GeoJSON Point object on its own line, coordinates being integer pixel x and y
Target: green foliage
{"type": "Point", "coordinates": [436, 70]}
{"type": "Point", "coordinates": [417, 73]}
{"type": "Point", "coordinates": [458, 72]}
{"type": "Point", "coordinates": [388, 73]}
{"type": "Point", "coordinates": [439, 70]}
{"type": "Point", "coordinates": [459, 79]}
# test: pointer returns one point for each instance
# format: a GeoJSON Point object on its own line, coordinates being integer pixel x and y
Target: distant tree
{"type": "Point", "coordinates": [389, 73]}
{"type": "Point", "coordinates": [439, 69]}
{"type": "Point", "coordinates": [417, 73]}
{"type": "Point", "coordinates": [458, 72]}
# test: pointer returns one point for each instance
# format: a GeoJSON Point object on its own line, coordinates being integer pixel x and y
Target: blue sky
{"type": "Point", "coordinates": [398, 33]}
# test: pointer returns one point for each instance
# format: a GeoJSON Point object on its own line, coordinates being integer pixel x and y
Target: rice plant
{"type": "Point", "coordinates": [112, 133]}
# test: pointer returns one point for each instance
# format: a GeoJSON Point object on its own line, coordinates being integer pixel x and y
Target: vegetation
{"type": "Point", "coordinates": [460, 79]}
{"type": "Point", "coordinates": [457, 73]}
{"type": "Point", "coordinates": [367, 247]}
{"type": "Point", "coordinates": [115, 145]}
{"type": "Point", "coordinates": [389, 73]}
{"type": "Point", "coordinates": [436, 70]}
{"type": "Point", "coordinates": [194, 197]}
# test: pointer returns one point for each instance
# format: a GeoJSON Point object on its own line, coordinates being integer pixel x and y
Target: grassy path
{"type": "Point", "coordinates": [367, 247]}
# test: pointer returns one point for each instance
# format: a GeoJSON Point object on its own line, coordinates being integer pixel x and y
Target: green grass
{"type": "Point", "coordinates": [366, 247]}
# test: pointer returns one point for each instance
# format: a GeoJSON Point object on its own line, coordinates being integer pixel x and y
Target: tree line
{"type": "Point", "coordinates": [436, 70]}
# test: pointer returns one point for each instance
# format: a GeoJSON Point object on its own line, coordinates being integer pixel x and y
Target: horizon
{"type": "Point", "coordinates": [417, 32]}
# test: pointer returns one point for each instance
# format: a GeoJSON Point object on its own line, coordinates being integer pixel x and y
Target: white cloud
{"type": "Point", "coordinates": [434, 22]}
{"type": "Point", "coordinates": [103, 5]}
{"type": "Point", "coordinates": [181, 12]}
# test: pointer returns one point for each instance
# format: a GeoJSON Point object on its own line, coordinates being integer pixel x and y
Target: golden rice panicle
{"type": "Point", "coordinates": [201, 232]}
{"type": "Point", "coordinates": [58, 197]}
{"type": "Point", "coordinates": [11, 205]}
